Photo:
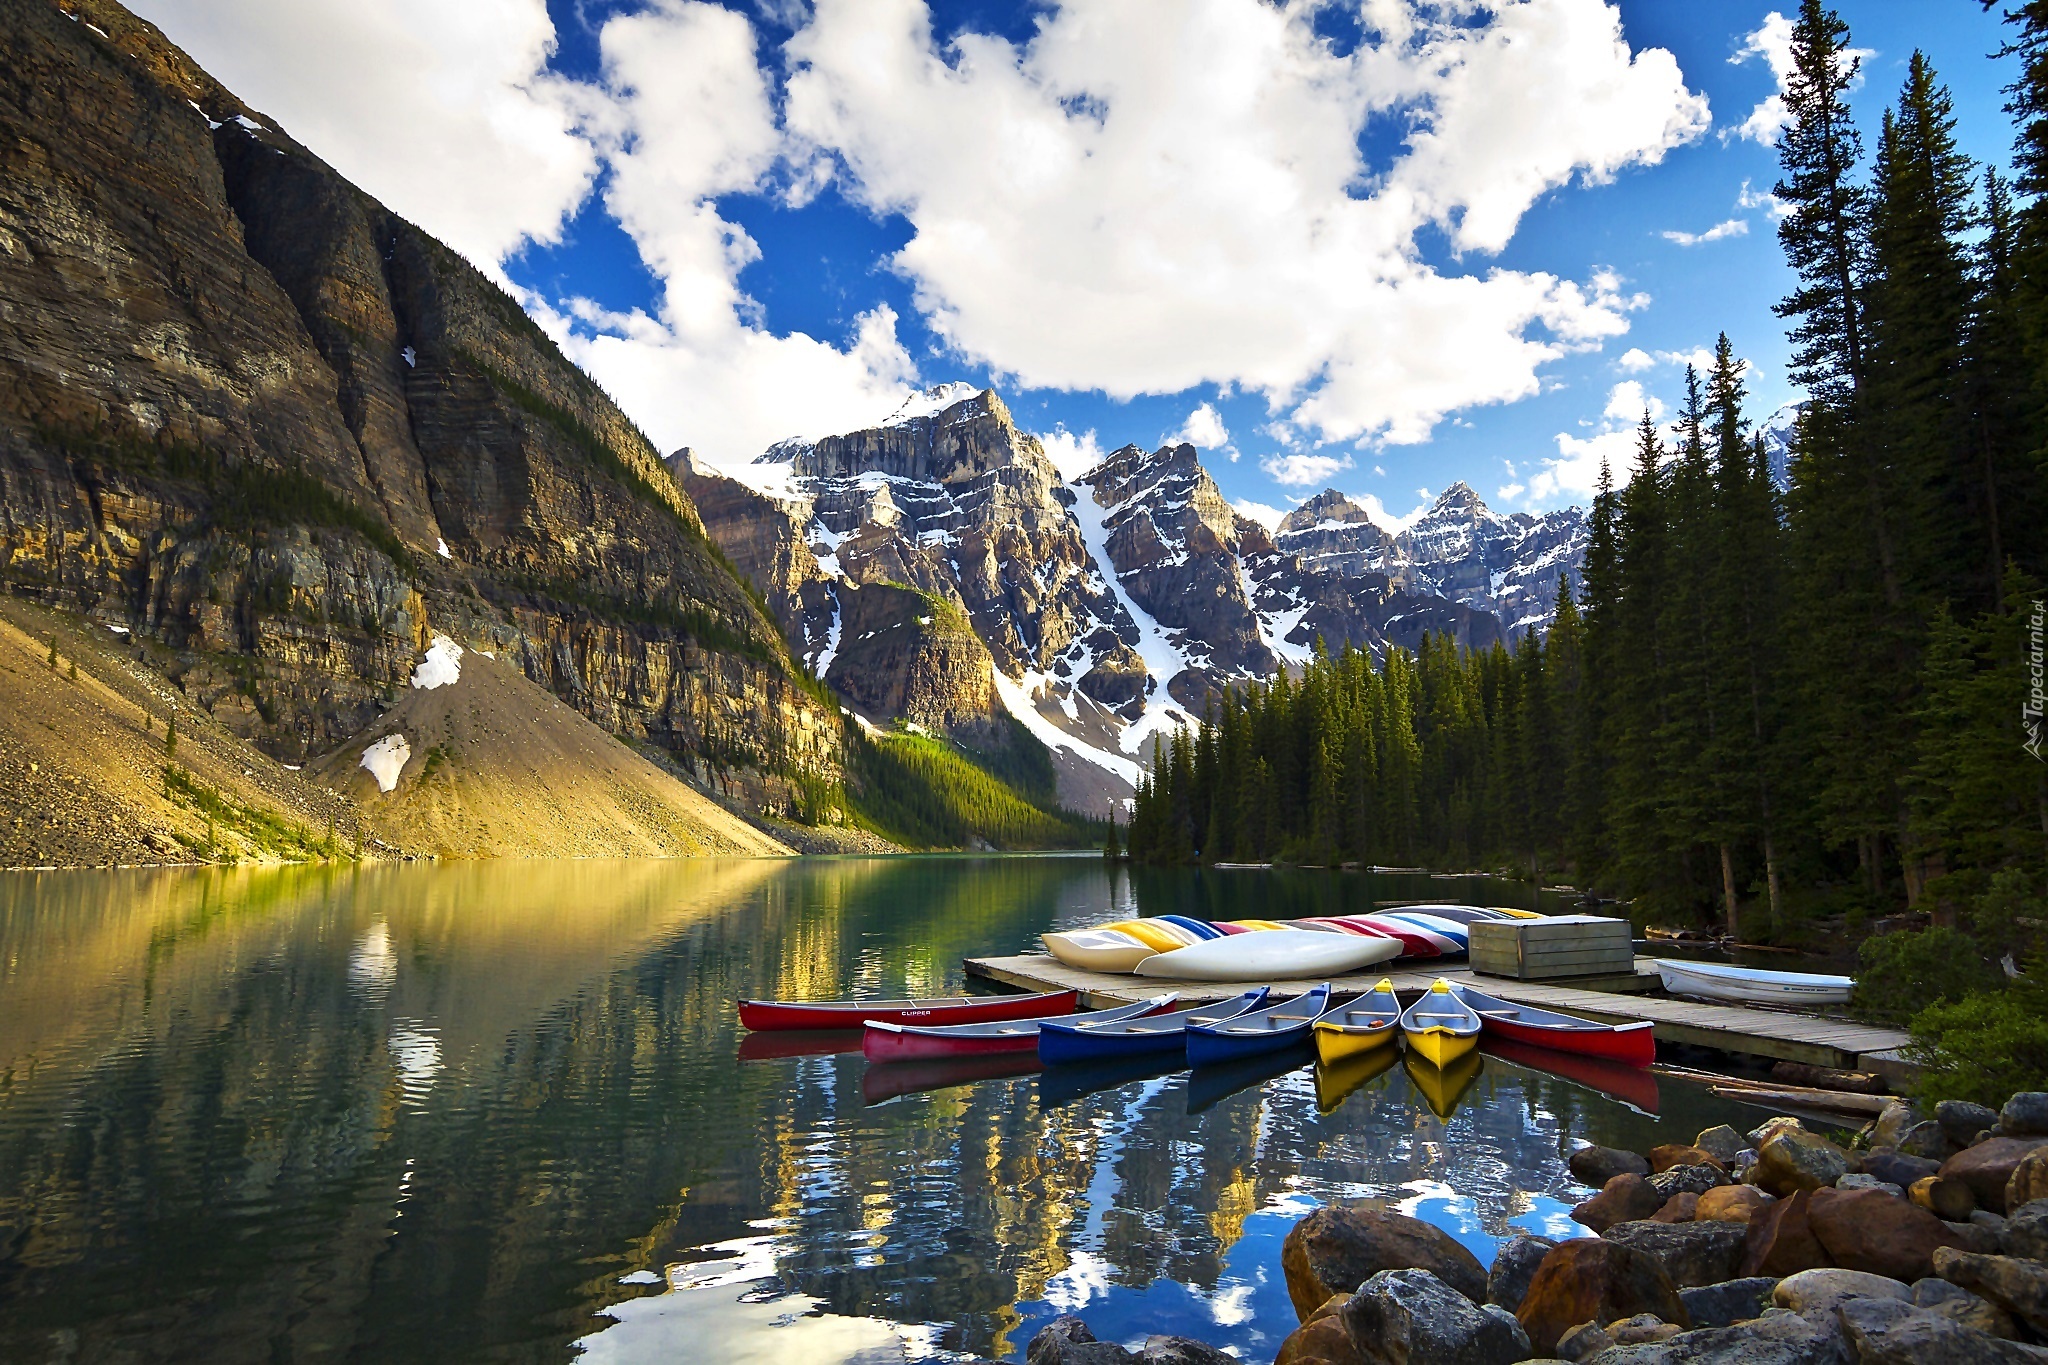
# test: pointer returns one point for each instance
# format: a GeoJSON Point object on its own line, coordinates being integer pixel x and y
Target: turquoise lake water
{"type": "Point", "coordinates": [504, 1112]}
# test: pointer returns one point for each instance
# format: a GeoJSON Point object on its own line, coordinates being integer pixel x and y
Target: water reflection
{"type": "Point", "coordinates": [502, 1111]}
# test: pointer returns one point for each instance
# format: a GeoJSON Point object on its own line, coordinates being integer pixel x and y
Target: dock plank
{"type": "Point", "coordinates": [1777, 1034]}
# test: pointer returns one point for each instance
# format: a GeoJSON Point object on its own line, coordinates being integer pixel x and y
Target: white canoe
{"type": "Point", "coordinates": [1274, 955]}
{"type": "Point", "coordinates": [1718, 981]}
{"type": "Point", "coordinates": [1098, 950]}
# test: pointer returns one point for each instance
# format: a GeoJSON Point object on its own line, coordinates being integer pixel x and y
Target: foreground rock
{"type": "Point", "coordinates": [2028, 1181]}
{"type": "Point", "coordinates": [1407, 1317]}
{"type": "Point", "coordinates": [1777, 1338]}
{"type": "Point", "coordinates": [2018, 1286]}
{"type": "Point", "coordinates": [1891, 1332]}
{"type": "Point", "coordinates": [1692, 1254]}
{"type": "Point", "coordinates": [1781, 1241]}
{"type": "Point", "coordinates": [1971, 1310]}
{"type": "Point", "coordinates": [1623, 1199]}
{"type": "Point", "coordinates": [1731, 1301]}
{"type": "Point", "coordinates": [1731, 1204]}
{"type": "Point", "coordinates": [2026, 1232]}
{"type": "Point", "coordinates": [1067, 1341]}
{"type": "Point", "coordinates": [1595, 1280]}
{"type": "Point", "coordinates": [1877, 1232]}
{"type": "Point", "coordinates": [1596, 1166]}
{"type": "Point", "coordinates": [1989, 1166]}
{"type": "Point", "coordinates": [1334, 1250]}
{"type": "Point", "coordinates": [1824, 1290]}
{"type": "Point", "coordinates": [1514, 1265]}
{"type": "Point", "coordinates": [1792, 1159]}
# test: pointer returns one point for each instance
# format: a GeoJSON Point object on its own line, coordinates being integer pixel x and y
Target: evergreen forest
{"type": "Point", "coordinates": [1765, 696]}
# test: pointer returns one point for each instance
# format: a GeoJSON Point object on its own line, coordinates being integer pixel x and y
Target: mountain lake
{"type": "Point", "coordinates": [503, 1111]}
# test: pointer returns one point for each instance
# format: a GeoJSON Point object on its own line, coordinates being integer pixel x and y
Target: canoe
{"type": "Point", "coordinates": [1440, 1028]}
{"type": "Point", "coordinates": [1630, 1043]}
{"type": "Point", "coordinates": [887, 1081]}
{"type": "Point", "coordinates": [766, 1015]}
{"type": "Point", "coordinates": [1367, 1024]}
{"type": "Point", "coordinates": [1751, 985]}
{"type": "Point", "coordinates": [1262, 1030]}
{"type": "Point", "coordinates": [1441, 1087]}
{"type": "Point", "coordinates": [1098, 950]}
{"type": "Point", "coordinates": [885, 1042]}
{"type": "Point", "coordinates": [1448, 935]}
{"type": "Point", "coordinates": [1629, 1085]}
{"type": "Point", "coordinates": [1210, 1085]}
{"type": "Point", "coordinates": [1457, 914]}
{"type": "Point", "coordinates": [1159, 933]}
{"type": "Point", "coordinates": [1276, 955]}
{"type": "Point", "coordinates": [1060, 1041]}
{"type": "Point", "coordinates": [1338, 1081]}
{"type": "Point", "coordinates": [1414, 943]}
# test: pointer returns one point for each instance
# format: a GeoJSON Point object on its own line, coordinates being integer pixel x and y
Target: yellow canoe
{"type": "Point", "coordinates": [1367, 1024]}
{"type": "Point", "coordinates": [1440, 1027]}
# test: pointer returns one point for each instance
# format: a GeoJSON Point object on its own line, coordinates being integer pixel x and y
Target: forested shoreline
{"type": "Point", "coordinates": [1759, 700]}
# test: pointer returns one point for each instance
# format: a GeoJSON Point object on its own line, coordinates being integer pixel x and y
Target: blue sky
{"type": "Point", "coordinates": [770, 218]}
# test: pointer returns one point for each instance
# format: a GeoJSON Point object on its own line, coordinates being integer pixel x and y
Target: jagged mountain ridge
{"type": "Point", "coordinates": [1105, 607]}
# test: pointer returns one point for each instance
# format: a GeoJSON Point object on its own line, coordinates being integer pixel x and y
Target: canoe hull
{"type": "Point", "coordinates": [1334, 1044]}
{"type": "Point", "coordinates": [1440, 1047]}
{"type": "Point", "coordinates": [1061, 1043]}
{"type": "Point", "coordinates": [1272, 955]}
{"type": "Point", "coordinates": [909, 1042]}
{"type": "Point", "coordinates": [1098, 950]}
{"type": "Point", "coordinates": [762, 1016]}
{"type": "Point", "coordinates": [1632, 1044]}
{"type": "Point", "coordinates": [1753, 987]}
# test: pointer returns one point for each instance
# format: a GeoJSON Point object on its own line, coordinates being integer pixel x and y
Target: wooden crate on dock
{"type": "Point", "coordinates": [1558, 946]}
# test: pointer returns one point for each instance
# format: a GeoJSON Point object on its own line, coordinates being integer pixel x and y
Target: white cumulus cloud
{"type": "Point", "coordinates": [1264, 514]}
{"type": "Point", "coordinates": [1772, 42]}
{"type": "Point", "coordinates": [1072, 455]}
{"type": "Point", "coordinates": [1634, 360]}
{"type": "Point", "coordinates": [1298, 470]}
{"type": "Point", "coordinates": [1203, 429]}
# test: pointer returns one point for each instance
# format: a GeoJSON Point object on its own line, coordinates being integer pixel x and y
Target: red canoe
{"type": "Point", "coordinates": [1630, 1044]}
{"type": "Point", "coordinates": [886, 1042]}
{"type": "Point", "coordinates": [766, 1015]}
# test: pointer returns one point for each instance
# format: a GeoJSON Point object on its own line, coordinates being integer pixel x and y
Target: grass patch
{"type": "Point", "coordinates": [265, 832]}
{"type": "Point", "coordinates": [924, 793]}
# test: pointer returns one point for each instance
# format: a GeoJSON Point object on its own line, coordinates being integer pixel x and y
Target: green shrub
{"type": "Point", "coordinates": [1986, 1046]}
{"type": "Point", "coordinates": [1898, 975]}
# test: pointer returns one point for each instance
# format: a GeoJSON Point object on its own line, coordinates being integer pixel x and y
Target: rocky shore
{"type": "Point", "coordinates": [1923, 1240]}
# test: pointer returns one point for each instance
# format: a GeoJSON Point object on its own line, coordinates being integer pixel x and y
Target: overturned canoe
{"type": "Point", "coordinates": [768, 1015]}
{"type": "Point", "coordinates": [1275, 955]}
{"type": "Point", "coordinates": [1752, 985]}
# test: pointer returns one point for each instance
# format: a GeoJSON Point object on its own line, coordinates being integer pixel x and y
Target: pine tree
{"type": "Point", "coordinates": [1822, 232]}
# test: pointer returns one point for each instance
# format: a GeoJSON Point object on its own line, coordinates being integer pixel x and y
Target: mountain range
{"type": "Point", "coordinates": [937, 570]}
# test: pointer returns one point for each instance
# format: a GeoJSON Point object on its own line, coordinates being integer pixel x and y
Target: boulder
{"type": "Point", "coordinates": [1971, 1310]}
{"type": "Point", "coordinates": [1593, 1279]}
{"type": "Point", "coordinates": [2025, 1115]}
{"type": "Point", "coordinates": [1892, 1123]}
{"type": "Point", "coordinates": [2028, 1181]}
{"type": "Point", "coordinates": [1067, 1341]}
{"type": "Point", "coordinates": [1722, 1143]}
{"type": "Point", "coordinates": [1641, 1328]}
{"type": "Point", "coordinates": [1926, 1139]}
{"type": "Point", "coordinates": [1961, 1120]}
{"type": "Point", "coordinates": [1717, 1305]}
{"type": "Point", "coordinates": [1404, 1316]}
{"type": "Point", "coordinates": [1514, 1264]}
{"type": "Point", "coordinates": [1623, 1199]}
{"type": "Point", "coordinates": [1825, 1290]}
{"type": "Point", "coordinates": [1679, 1208]}
{"type": "Point", "coordinates": [1793, 1159]}
{"type": "Point", "coordinates": [1896, 1168]}
{"type": "Point", "coordinates": [1596, 1166]}
{"type": "Point", "coordinates": [1170, 1350]}
{"type": "Point", "coordinates": [1583, 1342]}
{"type": "Point", "coordinates": [1857, 1180]}
{"type": "Point", "coordinates": [1334, 1250]}
{"type": "Point", "coordinates": [1692, 1179]}
{"type": "Point", "coordinates": [1730, 1204]}
{"type": "Point", "coordinates": [1780, 1240]}
{"type": "Point", "coordinates": [2018, 1286]}
{"type": "Point", "coordinates": [1776, 1338]}
{"type": "Point", "coordinates": [1988, 1167]}
{"type": "Point", "coordinates": [2026, 1232]}
{"type": "Point", "coordinates": [1972, 1236]}
{"type": "Point", "coordinates": [1679, 1154]}
{"type": "Point", "coordinates": [1880, 1233]}
{"type": "Point", "coordinates": [1322, 1338]}
{"type": "Point", "coordinates": [1770, 1128]}
{"type": "Point", "coordinates": [1892, 1332]}
{"type": "Point", "coordinates": [1690, 1253]}
{"type": "Point", "coordinates": [1944, 1196]}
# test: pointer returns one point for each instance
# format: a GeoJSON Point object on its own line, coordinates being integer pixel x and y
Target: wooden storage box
{"type": "Point", "coordinates": [1561, 945]}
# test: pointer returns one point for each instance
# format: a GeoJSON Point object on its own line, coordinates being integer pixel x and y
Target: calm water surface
{"type": "Point", "coordinates": [503, 1112]}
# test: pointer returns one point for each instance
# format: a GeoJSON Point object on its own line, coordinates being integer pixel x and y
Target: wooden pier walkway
{"type": "Point", "coordinates": [1778, 1034]}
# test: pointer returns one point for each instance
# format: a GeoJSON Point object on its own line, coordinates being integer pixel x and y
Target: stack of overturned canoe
{"type": "Point", "coordinates": [1177, 948]}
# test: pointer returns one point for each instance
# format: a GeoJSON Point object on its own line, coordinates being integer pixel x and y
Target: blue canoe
{"type": "Point", "coordinates": [1265, 1030]}
{"type": "Point", "coordinates": [1061, 1040]}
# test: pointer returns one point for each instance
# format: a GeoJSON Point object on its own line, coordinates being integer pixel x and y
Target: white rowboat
{"type": "Point", "coordinates": [1271, 955]}
{"type": "Point", "coordinates": [1717, 981]}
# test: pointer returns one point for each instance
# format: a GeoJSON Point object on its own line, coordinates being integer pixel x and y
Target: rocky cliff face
{"type": "Point", "coordinates": [251, 414]}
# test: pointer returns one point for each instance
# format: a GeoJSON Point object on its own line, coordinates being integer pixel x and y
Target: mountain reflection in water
{"type": "Point", "coordinates": [503, 1111]}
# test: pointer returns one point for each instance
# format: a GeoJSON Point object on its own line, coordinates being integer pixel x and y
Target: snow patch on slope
{"type": "Point", "coordinates": [1164, 660]}
{"type": "Point", "coordinates": [442, 666]}
{"type": "Point", "coordinates": [385, 759]}
{"type": "Point", "coordinates": [931, 402]}
{"type": "Point", "coordinates": [1017, 697]}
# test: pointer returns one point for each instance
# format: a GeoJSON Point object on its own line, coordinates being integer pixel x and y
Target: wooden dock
{"type": "Point", "coordinates": [1778, 1034]}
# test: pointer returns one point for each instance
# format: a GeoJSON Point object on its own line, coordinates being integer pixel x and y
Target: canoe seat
{"type": "Point", "coordinates": [1502, 1014]}
{"type": "Point", "coordinates": [1454, 1018]}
